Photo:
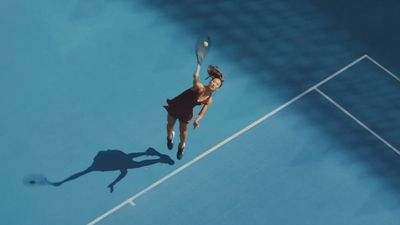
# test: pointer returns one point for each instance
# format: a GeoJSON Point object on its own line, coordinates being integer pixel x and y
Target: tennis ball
{"type": "Point", "coordinates": [205, 44]}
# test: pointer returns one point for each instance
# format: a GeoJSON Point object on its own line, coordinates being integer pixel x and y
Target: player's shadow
{"type": "Point", "coordinates": [111, 160]}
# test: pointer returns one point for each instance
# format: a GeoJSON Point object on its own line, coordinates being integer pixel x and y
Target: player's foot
{"type": "Point", "coordinates": [166, 159]}
{"type": "Point", "coordinates": [170, 141]}
{"type": "Point", "coordinates": [179, 155]}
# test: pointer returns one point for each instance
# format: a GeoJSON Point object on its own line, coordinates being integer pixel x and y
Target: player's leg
{"type": "Point", "coordinates": [170, 131]}
{"type": "Point", "coordinates": [183, 135]}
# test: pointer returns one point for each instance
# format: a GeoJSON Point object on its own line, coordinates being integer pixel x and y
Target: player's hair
{"type": "Point", "coordinates": [214, 72]}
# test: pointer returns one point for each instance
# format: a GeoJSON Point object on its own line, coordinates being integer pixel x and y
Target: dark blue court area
{"type": "Point", "coordinates": [305, 129]}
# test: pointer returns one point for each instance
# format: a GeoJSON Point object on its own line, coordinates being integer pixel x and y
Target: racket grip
{"type": "Point", "coordinates": [198, 69]}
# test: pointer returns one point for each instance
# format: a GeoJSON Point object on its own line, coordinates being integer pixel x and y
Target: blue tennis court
{"type": "Point", "coordinates": [305, 129]}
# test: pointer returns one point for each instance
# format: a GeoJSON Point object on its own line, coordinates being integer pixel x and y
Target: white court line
{"type": "Point", "coordinates": [358, 121]}
{"type": "Point", "coordinates": [132, 203]}
{"type": "Point", "coordinates": [173, 173]}
{"type": "Point", "coordinates": [383, 68]}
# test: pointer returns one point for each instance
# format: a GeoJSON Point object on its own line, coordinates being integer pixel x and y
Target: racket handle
{"type": "Point", "coordinates": [198, 69]}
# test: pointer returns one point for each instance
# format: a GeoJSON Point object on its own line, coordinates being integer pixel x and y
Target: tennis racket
{"type": "Point", "coordinates": [35, 180]}
{"type": "Point", "coordinates": [201, 49]}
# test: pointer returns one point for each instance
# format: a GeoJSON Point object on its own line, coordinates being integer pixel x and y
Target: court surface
{"type": "Point", "coordinates": [305, 129]}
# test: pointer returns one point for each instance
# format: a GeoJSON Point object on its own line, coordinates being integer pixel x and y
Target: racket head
{"type": "Point", "coordinates": [202, 46]}
{"type": "Point", "coordinates": [35, 180]}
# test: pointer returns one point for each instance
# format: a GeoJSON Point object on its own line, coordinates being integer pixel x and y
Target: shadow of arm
{"type": "Point", "coordinates": [121, 175]}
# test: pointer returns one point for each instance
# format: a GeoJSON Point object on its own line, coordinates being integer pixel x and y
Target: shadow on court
{"type": "Point", "coordinates": [289, 46]}
{"type": "Point", "coordinates": [375, 161]}
{"type": "Point", "coordinates": [112, 160]}
{"type": "Point", "coordinates": [374, 23]}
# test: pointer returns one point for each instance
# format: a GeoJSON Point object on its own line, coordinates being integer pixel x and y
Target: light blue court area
{"type": "Point", "coordinates": [310, 163]}
{"type": "Point", "coordinates": [305, 129]}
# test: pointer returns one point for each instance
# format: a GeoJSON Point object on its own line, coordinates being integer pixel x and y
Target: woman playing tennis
{"type": "Point", "coordinates": [181, 107]}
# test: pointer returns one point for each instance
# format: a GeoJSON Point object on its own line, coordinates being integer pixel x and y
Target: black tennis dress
{"type": "Point", "coordinates": [181, 107]}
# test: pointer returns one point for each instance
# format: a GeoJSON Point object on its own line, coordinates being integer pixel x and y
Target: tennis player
{"type": "Point", "coordinates": [181, 107]}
